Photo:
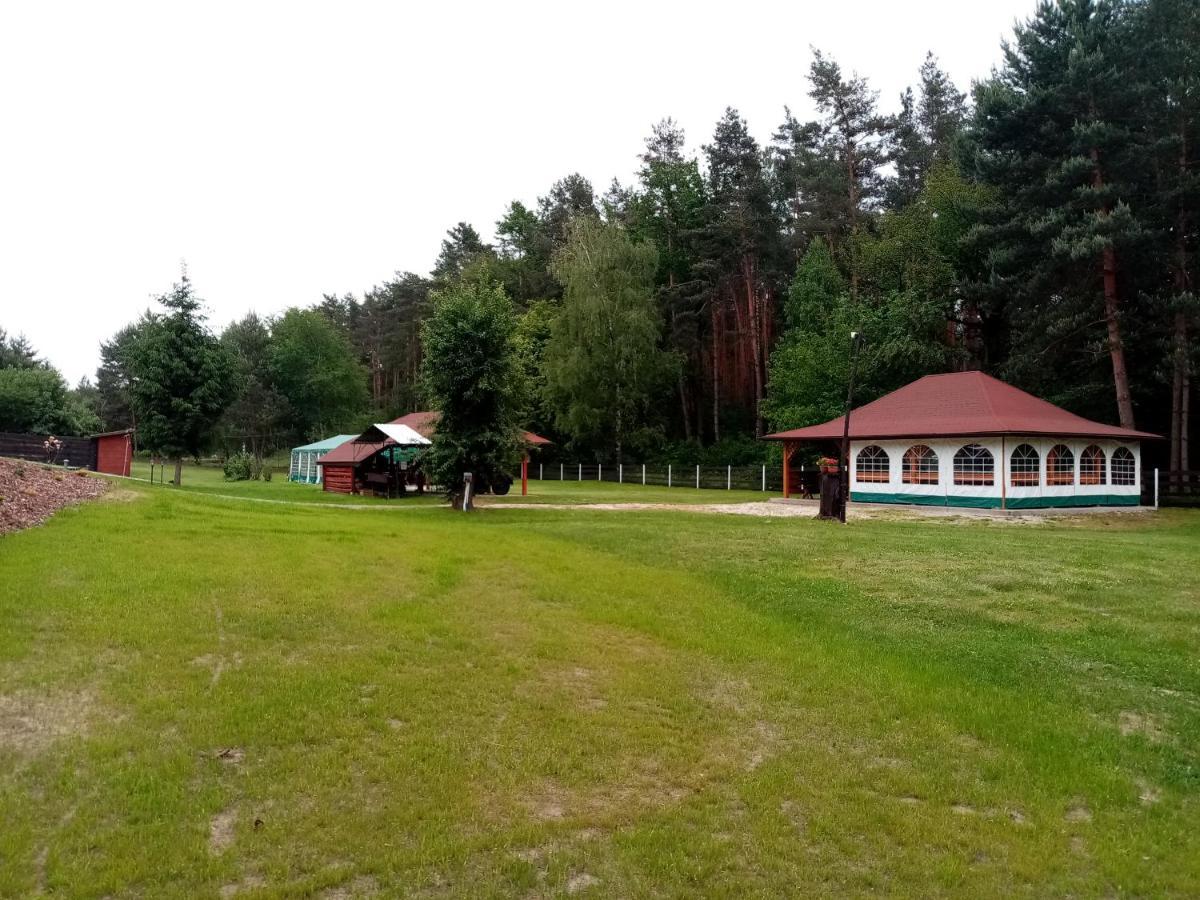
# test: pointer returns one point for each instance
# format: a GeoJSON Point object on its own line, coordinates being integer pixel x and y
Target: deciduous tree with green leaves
{"type": "Point", "coordinates": [314, 367]}
{"type": "Point", "coordinates": [604, 361]}
{"type": "Point", "coordinates": [472, 374]}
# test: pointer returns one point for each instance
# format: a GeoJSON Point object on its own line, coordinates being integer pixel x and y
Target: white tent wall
{"type": "Point", "coordinates": [304, 468]}
{"type": "Point", "coordinates": [1001, 491]}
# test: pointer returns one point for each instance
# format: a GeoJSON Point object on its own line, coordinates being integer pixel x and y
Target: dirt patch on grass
{"type": "Point", "coordinates": [1078, 813]}
{"type": "Point", "coordinates": [31, 493]}
{"type": "Point", "coordinates": [362, 886]}
{"type": "Point", "coordinates": [31, 722]}
{"type": "Point", "coordinates": [248, 883]}
{"type": "Point", "coordinates": [220, 831]}
{"type": "Point", "coordinates": [580, 882]}
{"type": "Point", "coordinates": [1148, 726]}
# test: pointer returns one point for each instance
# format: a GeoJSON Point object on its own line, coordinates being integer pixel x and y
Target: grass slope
{"type": "Point", "coordinates": [200, 697]}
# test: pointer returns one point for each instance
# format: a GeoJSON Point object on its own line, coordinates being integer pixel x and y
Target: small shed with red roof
{"type": "Point", "coordinates": [967, 439]}
{"type": "Point", "coordinates": [114, 452]}
{"type": "Point", "coordinates": [425, 423]}
{"type": "Point", "coordinates": [374, 459]}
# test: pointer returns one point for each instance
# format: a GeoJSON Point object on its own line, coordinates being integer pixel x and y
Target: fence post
{"type": "Point", "coordinates": [1156, 488]}
{"type": "Point", "coordinates": [668, 474]}
{"type": "Point", "coordinates": [764, 479]}
{"type": "Point", "coordinates": [560, 471]}
{"type": "Point", "coordinates": [729, 478]}
{"type": "Point", "coordinates": [643, 474]}
{"type": "Point", "coordinates": [599, 471]}
{"type": "Point", "coordinates": [620, 473]}
{"type": "Point", "coordinates": [580, 472]}
{"type": "Point", "coordinates": [697, 478]}
{"type": "Point", "coordinates": [541, 471]}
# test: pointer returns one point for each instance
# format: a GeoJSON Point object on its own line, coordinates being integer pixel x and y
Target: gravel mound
{"type": "Point", "coordinates": [31, 493]}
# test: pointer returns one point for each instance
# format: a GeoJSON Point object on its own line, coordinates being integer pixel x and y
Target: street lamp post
{"type": "Point", "coordinates": [855, 341]}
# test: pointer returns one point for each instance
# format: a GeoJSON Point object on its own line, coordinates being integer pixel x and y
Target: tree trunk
{"type": "Point", "coordinates": [716, 371]}
{"type": "Point", "coordinates": [1181, 381]}
{"type": "Point", "coordinates": [748, 276]}
{"type": "Point", "coordinates": [1116, 345]}
{"type": "Point", "coordinates": [1112, 313]}
{"type": "Point", "coordinates": [178, 471]}
{"type": "Point", "coordinates": [683, 408]}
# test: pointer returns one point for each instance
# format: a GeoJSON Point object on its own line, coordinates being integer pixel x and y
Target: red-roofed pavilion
{"type": "Point", "coordinates": [968, 439]}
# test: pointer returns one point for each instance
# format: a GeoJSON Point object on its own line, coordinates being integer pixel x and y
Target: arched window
{"type": "Point", "coordinates": [1025, 466]}
{"type": "Point", "coordinates": [1091, 465]}
{"type": "Point", "coordinates": [1124, 467]}
{"type": "Point", "coordinates": [1060, 465]}
{"type": "Point", "coordinates": [873, 464]}
{"type": "Point", "coordinates": [920, 466]}
{"type": "Point", "coordinates": [973, 464]}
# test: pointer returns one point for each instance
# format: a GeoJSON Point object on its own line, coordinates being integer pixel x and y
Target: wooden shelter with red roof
{"type": "Point", "coordinates": [970, 440]}
{"type": "Point", "coordinates": [425, 423]}
{"type": "Point", "coordinates": [379, 455]}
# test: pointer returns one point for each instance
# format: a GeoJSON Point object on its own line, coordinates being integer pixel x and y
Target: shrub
{"type": "Point", "coordinates": [266, 474]}
{"type": "Point", "coordinates": [239, 467]}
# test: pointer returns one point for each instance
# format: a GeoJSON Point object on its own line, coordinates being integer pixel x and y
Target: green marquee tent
{"type": "Point", "coordinates": [304, 466]}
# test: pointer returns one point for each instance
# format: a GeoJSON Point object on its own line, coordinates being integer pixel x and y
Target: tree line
{"type": "Point", "coordinates": [1043, 228]}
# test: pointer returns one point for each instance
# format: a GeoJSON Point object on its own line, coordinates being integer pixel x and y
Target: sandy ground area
{"type": "Point", "coordinates": [809, 509]}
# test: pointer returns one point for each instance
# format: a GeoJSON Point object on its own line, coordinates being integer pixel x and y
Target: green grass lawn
{"type": "Point", "coordinates": [203, 698]}
{"type": "Point", "coordinates": [211, 480]}
{"type": "Point", "coordinates": [611, 492]}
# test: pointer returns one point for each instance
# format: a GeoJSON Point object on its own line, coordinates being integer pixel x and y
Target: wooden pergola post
{"type": "Point", "coordinates": [788, 449]}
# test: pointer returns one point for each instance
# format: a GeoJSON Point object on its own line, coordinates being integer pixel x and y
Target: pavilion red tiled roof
{"type": "Point", "coordinates": [958, 404]}
{"type": "Point", "coordinates": [425, 423]}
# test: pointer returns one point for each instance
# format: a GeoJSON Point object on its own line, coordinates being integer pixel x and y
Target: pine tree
{"type": "Point", "coordinates": [460, 246]}
{"type": "Point", "coordinates": [181, 378]}
{"type": "Point", "coordinates": [1166, 37]}
{"type": "Point", "coordinates": [853, 144]}
{"type": "Point", "coordinates": [1053, 135]}
{"type": "Point", "coordinates": [742, 250]}
{"type": "Point", "coordinates": [924, 131]}
{"type": "Point", "coordinates": [668, 210]}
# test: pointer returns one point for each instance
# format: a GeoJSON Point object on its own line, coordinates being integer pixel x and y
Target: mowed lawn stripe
{"type": "Point", "coordinates": [654, 703]}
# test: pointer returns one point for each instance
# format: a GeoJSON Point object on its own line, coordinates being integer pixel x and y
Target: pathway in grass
{"type": "Point", "coordinates": [206, 698]}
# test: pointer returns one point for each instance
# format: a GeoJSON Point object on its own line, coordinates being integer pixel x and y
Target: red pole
{"type": "Point", "coordinates": [525, 475]}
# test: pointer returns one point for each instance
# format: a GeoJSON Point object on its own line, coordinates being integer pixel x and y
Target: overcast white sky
{"type": "Point", "coordinates": [287, 150]}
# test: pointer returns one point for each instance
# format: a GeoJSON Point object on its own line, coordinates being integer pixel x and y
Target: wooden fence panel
{"type": "Point", "coordinates": [76, 450]}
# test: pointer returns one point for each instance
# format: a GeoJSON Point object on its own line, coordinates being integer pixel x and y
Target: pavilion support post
{"type": "Point", "coordinates": [525, 475]}
{"type": "Point", "coordinates": [788, 449]}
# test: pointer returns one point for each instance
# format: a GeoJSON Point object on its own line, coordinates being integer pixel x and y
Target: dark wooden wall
{"type": "Point", "coordinates": [79, 451]}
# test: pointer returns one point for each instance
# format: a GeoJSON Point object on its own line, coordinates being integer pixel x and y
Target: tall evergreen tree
{"type": "Point", "coordinates": [668, 209]}
{"type": "Point", "coordinates": [182, 378]}
{"type": "Point", "coordinates": [568, 199]}
{"type": "Point", "coordinates": [258, 417]}
{"type": "Point", "coordinates": [924, 131]}
{"type": "Point", "coordinates": [460, 246]}
{"type": "Point", "coordinates": [1054, 136]}
{"type": "Point", "coordinates": [741, 244]}
{"type": "Point", "coordinates": [854, 150]}
{"type": "Point", "coordinates": [1166, 39]}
